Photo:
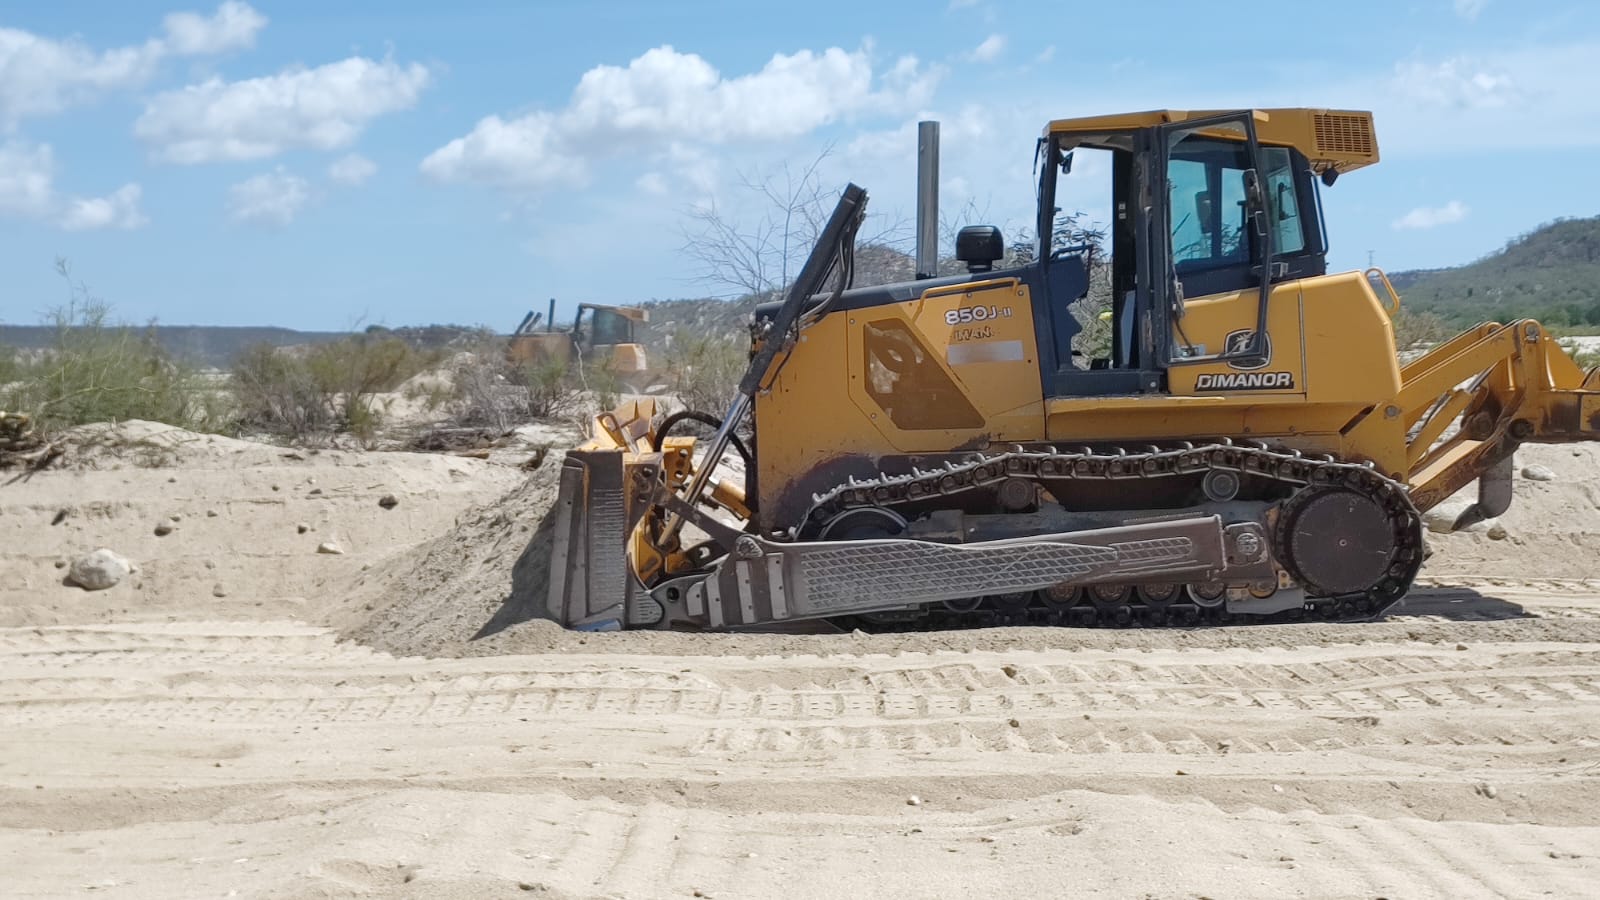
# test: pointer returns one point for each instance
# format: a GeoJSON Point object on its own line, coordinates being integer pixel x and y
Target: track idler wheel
{"type": "Point", "coordinates": [1336, 541]}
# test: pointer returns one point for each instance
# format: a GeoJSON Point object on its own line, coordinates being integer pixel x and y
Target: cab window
{"type": "Point", "coordinates": [1288, 238]}
{"type": "Point", "coordinates": [1205, 183]}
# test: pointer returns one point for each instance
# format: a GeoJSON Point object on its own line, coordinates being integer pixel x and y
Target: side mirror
{"type": "Point", "coordinates": [1203, 211]}
{"type": "Point", "coordinates": [980, 246]}
{"type": "Point", "coordinates": [1284, 200]}
{"type": "Point", "coordinates": [1066, 163]}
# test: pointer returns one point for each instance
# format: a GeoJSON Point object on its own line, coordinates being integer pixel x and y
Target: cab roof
{"type": "Point", "coordinates": [1338, 139]}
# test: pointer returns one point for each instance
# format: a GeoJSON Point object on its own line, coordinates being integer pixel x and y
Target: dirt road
{"type": "Point", "coordinates": [266, 759]}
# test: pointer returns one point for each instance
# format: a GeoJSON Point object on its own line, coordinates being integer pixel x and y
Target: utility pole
{"type": "Point", "coordinates": [1369, 259]}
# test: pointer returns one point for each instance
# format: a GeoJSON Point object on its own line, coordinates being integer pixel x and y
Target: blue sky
{"type": "Point", "coordinates": [316, 165]}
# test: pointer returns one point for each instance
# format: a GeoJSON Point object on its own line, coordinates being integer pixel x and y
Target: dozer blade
{"type": "Point", "coordinates": [590, 579]}
{"type": "Point", "coordinates": [765, 582]}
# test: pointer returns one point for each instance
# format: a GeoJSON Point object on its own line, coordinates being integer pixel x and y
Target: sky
{"type": "Point", "coordinates": [328, 165]}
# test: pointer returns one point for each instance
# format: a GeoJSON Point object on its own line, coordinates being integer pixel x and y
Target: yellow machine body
{"type": "Point", "coordinates": [600, 335]}
{"type": "Point", "coordinates": [859, 405]}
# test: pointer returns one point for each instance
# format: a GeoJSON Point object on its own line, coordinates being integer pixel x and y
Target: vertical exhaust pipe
{"type": "Point", "coordinates": [550, 320]}
{"type": "Point", "coordinates": [927, 199]}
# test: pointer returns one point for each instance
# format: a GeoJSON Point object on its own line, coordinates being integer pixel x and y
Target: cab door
{"type": "Point", "coordinates": [1226, 214]}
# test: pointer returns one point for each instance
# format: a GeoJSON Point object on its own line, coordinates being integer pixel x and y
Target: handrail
{"type": "Point", "coordinates": [1395, 309]}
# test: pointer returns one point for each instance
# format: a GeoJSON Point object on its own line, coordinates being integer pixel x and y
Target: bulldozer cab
{"type": "Point", "coordinates": [601, 326]}
{"type": "Point", "coordinates": [1202, 207]}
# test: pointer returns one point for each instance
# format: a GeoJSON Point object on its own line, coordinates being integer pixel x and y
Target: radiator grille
{"type": "Point", "coordinates": [1344, 134]}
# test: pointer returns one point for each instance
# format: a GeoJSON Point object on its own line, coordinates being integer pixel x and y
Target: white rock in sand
{"type": "Point", "coordinates": [99, 570]}
{"type": "Point", "coordinates": [332, 547]}
{"type": "Point", "coordinates": [1537, 472]}
{"type": "Point", "coordinates": [1442, 518]}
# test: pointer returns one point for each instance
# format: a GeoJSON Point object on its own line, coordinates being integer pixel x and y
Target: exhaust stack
{"type": "Point", "coordinates": [927, 199]}
{"type": "Point", "coordinates": [550, 321]}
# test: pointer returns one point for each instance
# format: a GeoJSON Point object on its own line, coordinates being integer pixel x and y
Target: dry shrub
{"type": "Point", "coordinates": [308, 393]}
{"type": "Point", "coordinates": [706, 370]}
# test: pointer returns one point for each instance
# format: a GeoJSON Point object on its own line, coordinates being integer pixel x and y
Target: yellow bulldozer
{"type": "Point", "coordinates": [936, 453]}
{"type": "Point", "coordinates": [600, 335]}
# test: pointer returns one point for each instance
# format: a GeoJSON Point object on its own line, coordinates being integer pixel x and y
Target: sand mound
{"type": "Point", "coordinates": [1552, 529]}
{"type": "Point", "coordinates": [446, 596]}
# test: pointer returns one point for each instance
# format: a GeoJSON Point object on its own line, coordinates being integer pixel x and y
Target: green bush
{"type": "Point", "coordinates": [96, 370]}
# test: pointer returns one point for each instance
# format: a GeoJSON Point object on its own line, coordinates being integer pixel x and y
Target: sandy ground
{"type": "Point", "coordinates": [163, 741]}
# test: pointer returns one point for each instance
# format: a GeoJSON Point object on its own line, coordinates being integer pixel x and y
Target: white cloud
{"type": "Point", "coordinates": [27, 191]}
{"type": "Point", "coordinates": [27, 175]}
{"type": "Point", "coordinates": [1432, 216]}
{"type": "Point", "coordinates": [324, 108]}
{"type": "Point", "coordinates": [41, 76]}
{"type": "Point", "coordinates": [1469, 9]}
{"type": "Point", "coordinates": [652, 183]}
{"type": "Point", "coordinates": [271, 198]}
{"type": "Point", "coordinates": [118, 209]}
{"type": "Point", "coordinates": [352, 169]}
{"type": "Point", "coordinates": [231, 27]}
{"type": "Point", "coordinates": [989, 50]}
{"type": "Point", "coordinates": [667, 96]}
{"type": "Point", "coordinates": [1525, 97]}
{"type": "Point", "coordinates": [1459, 83]}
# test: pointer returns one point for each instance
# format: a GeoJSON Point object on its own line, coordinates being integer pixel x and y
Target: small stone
{"type": "Point", "coordinates": [1180, 772]}
{"type": "Point", "coordinates": [1487, 790]}
{"type": "Point", "coordinates": [61, 564]}
{"type": "Point", "coordinates": [330, 547]}
{"type": "Point", "coordinates": [750, 856]}
{"type": "Point", "coordinates": [913, 800]}
{"type": "Point", "coordinates": [217, 590]}
{"type": "Point", "coordinates": [1461, 646]}
{"type": "Point", "coordinates": [1537, 472]}
{"type": "Point", "coordinates": [1442, 518]}
{"type": "Point", "coordinates": [1014, 723]}
{"type": "Point", "coordinates": [276, 488]}
{"type": "Point", "coordinates": [166, 527]}
{"type": "Point", "coordinates": [1497, 532]}
{"type": "Point", "coordinates": [314, 492]}
{"type": "Point", "coordinates": [61, 516]}
{"type": "Point", "coordinates": [172, 480]}
{"type": "Point", "coordinates": [211, 514]}
{"type": "Point", "coordinates": [99, 570]}
{"type": "Point", "coordinates": [302, 527]}
{"type": "Point", "coordinates": [1277, 789]}
{"type": "Point", "coordinates": [388, 501]}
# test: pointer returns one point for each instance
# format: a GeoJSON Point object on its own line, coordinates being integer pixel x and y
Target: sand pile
{"type": "Point", "coordinates": [218, 528]}
{"type": "Point", "coordinates": [1552, 529]}
{"type": "Point", "coordinates": [448, 595]}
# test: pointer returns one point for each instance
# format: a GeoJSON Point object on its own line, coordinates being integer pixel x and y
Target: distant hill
{"type": "Point", "coordinates": [219, 345]}
{"type": "Point", "coordinates": [1551, 274]}
{"type": "Point", "coordinates": [203, 345]}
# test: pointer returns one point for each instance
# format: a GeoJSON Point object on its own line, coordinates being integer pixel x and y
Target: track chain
{"type": "Point", "coordinates": [1307, 474]}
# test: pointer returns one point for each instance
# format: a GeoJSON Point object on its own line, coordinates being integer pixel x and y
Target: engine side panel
{"type": "Point", "coordinates": [956, 367]}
